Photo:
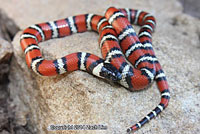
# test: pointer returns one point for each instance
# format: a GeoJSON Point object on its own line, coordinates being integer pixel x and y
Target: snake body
{"type": "Point", "coordinates": [118, 42]}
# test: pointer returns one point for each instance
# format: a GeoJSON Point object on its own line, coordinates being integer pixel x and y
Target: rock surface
{"type": "Point", "coordinates": [7, 110]}
{"type": "Point", "coordinates": [5, 51]}
{"type": "Point", "coordinates": [79, 98]}
{"type": "Point", "coordinates": [5, 55]}
{"type": "Point", "coordinates": [8, 29]}
{"type": "Point", "coordinates": [191, 7]}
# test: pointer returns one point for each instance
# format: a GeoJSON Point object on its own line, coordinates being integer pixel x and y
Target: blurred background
{"type": "Point", "coordinates": [191, 7]}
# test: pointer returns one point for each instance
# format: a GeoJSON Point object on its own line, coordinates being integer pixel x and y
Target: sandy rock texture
{"type": "Point", "coordinates": [79, 98]}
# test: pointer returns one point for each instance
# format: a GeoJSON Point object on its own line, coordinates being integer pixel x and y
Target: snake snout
{"type": "Point", "coordinates": [111, 73]}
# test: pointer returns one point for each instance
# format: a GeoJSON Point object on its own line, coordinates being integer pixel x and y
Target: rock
{"type": "Point", "coordinates": [4, 132]}
{"type": "Point", "coordinates": [8, 27]}
{"type": "Point", "coordinates": [7, 31]}
{"type": "Point", "coordinates": [21, 130]}
{"type": "Point", "coordinates": [79, 98]}
{"type": "Point", "coordinates": [5, 55]}
{"type": "Point", "coordinates": [4, 121]}
{"type": "Point", "coordinates": [5, 51]}
{"type": "Point", "coordinates": [191, 7]}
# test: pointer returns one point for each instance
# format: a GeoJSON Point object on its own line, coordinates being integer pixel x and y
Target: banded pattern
{"type": "Point", "coordinates": [76, 61]}
{"type": "Point", "coordinates": [118, 42]}
{"type": "Point", "coordinates": [147, 23]}
{"type": "Point", "coordinates": [132, 78]}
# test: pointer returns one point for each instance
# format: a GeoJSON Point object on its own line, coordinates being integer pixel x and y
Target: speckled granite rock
{"type": "Point", "coordinates": [79, 98]}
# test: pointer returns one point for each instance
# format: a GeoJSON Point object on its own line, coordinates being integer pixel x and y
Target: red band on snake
{"type": "Point", "coordinates": [118, 19]}
{"type": "Point", "coordinates": [118, 42]}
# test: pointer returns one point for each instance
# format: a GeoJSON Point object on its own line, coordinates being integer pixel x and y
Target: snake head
{"type": "Point", "coordinates": [110, 72]}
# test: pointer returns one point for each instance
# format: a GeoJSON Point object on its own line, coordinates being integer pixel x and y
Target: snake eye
{"type": "Point", "coordinates": [110, 72]}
